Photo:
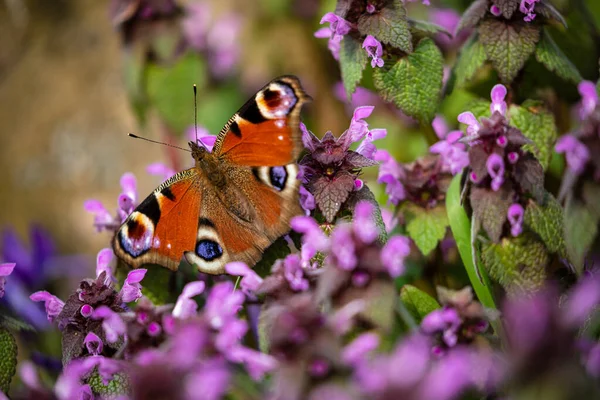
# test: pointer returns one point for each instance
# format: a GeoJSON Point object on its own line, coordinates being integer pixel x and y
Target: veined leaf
{"type": "Point", "coordinates": [552, 57]}
{"type": "Point", "coordinates": [353, 59]}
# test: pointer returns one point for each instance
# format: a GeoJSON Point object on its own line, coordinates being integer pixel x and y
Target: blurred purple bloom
{"type": "Point", "coordinates": [68, 385]}
{"type": "Point", "coordinates": [338, 25]}
{"type": "Point", "coordinates": [294, 273]}
{"type": "Point", "coordinates": [469, 119]}
{"type": "Point", "coordinates": [5, 270]}
{"type": "Point", "coordinates": [313, 240]}
{"type": "Point", "coordinates": [102, 218]}
{"type": "Point", "coordinates": [371, 8]}
{"type": "Point", "coordinates": [223, 43]}
{"type": "Point", "coordinates": [209, 381]}
{"type": "Point", "coordinates": [589, 98]}
{"type": "Point", "coordinates": [196, 23]}
{"type": "Point", "coordinates": [154, 329]}
{"type": "Point", "coordinates": [334, 42]}
{"type": "Point", "coordinates": [582, 301]}
{"type": "Point", "coordinates": [515, 218]}
{"type": "Point", "coordinates": [424, 2]}
{"type": "Point", "coordinates": [132, 290]}
{"type": "Point", "coordinates": [112, 324]}
{"type": "Point", "coordinates": [393, 254]}
{"type": "Point", "coordinates": [161, 170]}
{"type": "Point", "coordinates": [453, 153]}
{"type": "Point", "coordinates": [257, 363]}
{"type": "Point", "coordinates": [495, 10]}
{"type": "Point", "coordinates": [53, 304]}
{"type": "Point", "coordinates": [444, 320]}
{"type": "Point", "coordinates": [390, 173]}
{"type": "Point", "coordinates": [513, 157]}
{"type": "Point", "coordinates": [128, 197]}
{"type": "Point", "coordinates": [250, 279]}
{"type": "Point", "coordinates": [360, 97]}
{"type": "Point", "coordinates": [357, 351]}
{"type": "Point", "coordinates": [342, 247]}
{"type": "Point", "coordinates": [204, 136]}
{"type": "Point", "coordinates": [103, 264]}
{"type": "Point", "coordinates": [577, 153]}
{"type": "Point", "coordinates": [93, 344]}
{"type": "Point", "coordinates": [498, 95]}
{"type": "Point", "coordinates": [366, 147]}
{"type": "Point", "coordinates": [527, 7]}
{"type": "Point", "coordinates": [495, 167]}
{"type": "Point", "coordinates": [222, 304]}
{"type": "Point", "coordinates": [185, 307]}
{"type": "Point", "coordinates": [364, 222]}
{"type": "Point", "coordinates": [448, 19]}
{"type": "Point", "coordinates": [374, 50]}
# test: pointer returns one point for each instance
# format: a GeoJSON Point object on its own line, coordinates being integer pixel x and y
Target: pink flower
{"type": "Point", "coordinates": [577, 153]}
{"type": "Point", "coordinates": [53, 304]}
{"type": "Point", "coordinates": [103, 264]}
{"type": "Point", "coordinates": [132, 290]}
{"type": "Point", "coordinates": [495, 10]}
{"type": "Point", "coordinates": [393, 254]}
{"type": "Point", "coordinates": [250, 279]}
{"type": "Point", "coordinates": [589, 98]}
{"type": "Point", "coordinates": [374, 50]}
{"type": "Point", "coordinates": [515, 218]}
{"type": "Point", "coordinates": [5, 270]}
{"type": "Point", "coordinates": [112, 324]}
{"type": "Point", "coordinates": [185, 307]}
{"type": "Point", "coordinates": [498, 95]}
{"type": "Point", "coordinates": [527, 7]}
{"type": "Point", "coordinates": [93, 344]}
{"type": "Point", "coordinates": [469, 119]}
{"type": "Point", "coordinates": [495, 167]}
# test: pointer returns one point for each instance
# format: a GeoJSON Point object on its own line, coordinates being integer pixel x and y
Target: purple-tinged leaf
{"type": "Point", "coordinates": [473, 15]}
{"type": "Point", "coordinates": [330, 194]}
{"type": "Point", "coordinates": [507, 7]}
{"type": "Point", "coordinates": [490, 209]}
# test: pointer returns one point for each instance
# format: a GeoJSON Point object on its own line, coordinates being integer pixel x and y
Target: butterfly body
{"type": "Point", "coordinates": [235, 201]}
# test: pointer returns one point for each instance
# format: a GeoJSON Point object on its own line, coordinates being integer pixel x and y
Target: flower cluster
{"type": "Point", "coordinates": [502, 174]}
{"type": "Point", "coordinates": [127, 201]}
{"type": "Point", "coordinates": [330, 171]}
{"type": "Point", "coordinates": [526, 7]}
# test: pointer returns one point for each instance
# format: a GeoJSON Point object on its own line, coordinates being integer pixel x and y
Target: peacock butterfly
{"type": "Point", "coordinates": [235, 201]}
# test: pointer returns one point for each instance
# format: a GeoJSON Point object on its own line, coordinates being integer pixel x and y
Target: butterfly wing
{"type": "Point", "coordinates": [159, 231]}
{"type": "Point", "coordinates": [265, 131]}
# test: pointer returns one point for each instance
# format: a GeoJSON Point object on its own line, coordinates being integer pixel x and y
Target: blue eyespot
{"type": "Point", "coordinates": [278, 176]}
{"type": "Point", "coordinates": [208, 250]}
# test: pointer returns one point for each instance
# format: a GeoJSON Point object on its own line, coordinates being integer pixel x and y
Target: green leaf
{"type": "Point", "coordinates": [426, 227]}
{"type": "Point", "coordinates": [581, 228]}
{"type": "Point", "coordinates": [413, 82]}
{"type": "Point", "coordinates": [552, 57]}
{"type": "Point", "coordinates": [461, 230]}
{"type": "Point", "coordinates": [119, 385]}
{"type": "Point", "coordinates": [218, 105]}
{"type": "Point", "coordinates": [517, 263]}
{"type": "Point", "coordinates": [425, 28]}
{"type": "Point", "coordinates": [471, 58]}
{"type": "Point", "coordinates": [8, 358]}
{"type": "Point", "coordinates": [389, 26]}
{"type": "Point", "coordinates": [417, 302]}
{"type": "Point", "coordinates": [479, 108]}
{"type": "Point", "coordinates": [547, 221]}
{"type": "Point", "coordinates": [353, 59]}
{"type": "Point", "coordinates": [548, 11]}
{"type": "Point", "coordinates": [508, 46]}
{"type": "Point", "coordinates": [170, 90]}
{"type": "Point", "coordinates": [473, 15]}
{"type": "Point", "coordinates": [537, 124]}
{"type": "Point", "coordinates": [156, 284]}
{"type": "Point", "coordinates": [508, 7]}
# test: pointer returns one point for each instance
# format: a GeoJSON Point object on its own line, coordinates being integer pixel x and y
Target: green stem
{"type": "Point", "coordinates": [429, 133]}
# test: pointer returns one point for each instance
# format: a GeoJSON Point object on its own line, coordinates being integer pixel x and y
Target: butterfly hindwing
{"type": "Point", "coordinates": [159, 231]}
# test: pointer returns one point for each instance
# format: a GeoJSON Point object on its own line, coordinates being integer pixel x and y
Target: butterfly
{"type": "Point", "coordinates": [236, 200]}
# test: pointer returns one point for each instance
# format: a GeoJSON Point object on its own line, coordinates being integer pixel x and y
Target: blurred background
{"type": "Point", "coordinates": [77, 75]}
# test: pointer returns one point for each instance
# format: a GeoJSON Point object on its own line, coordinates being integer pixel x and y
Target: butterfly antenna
{"type": "Point", "coordinates": [195, 113]}
{"type": "Point", "coordinates": [157, 142]}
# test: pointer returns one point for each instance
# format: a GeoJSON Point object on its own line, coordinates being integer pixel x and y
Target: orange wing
{"type": "Point", "coordinates": [164, 225]}
{"type": "Point", "coordinates": [265, 131]}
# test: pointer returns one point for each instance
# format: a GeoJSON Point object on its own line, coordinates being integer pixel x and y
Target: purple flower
{"type": "Point", "coordinates": [582, 301]}
{"type": "Point", "coordinates": [357, 351]}
{"type": "Point", "coordinates": [68, 385]}
{"type": "Point", "coordinates": [195, 24]}
{"type": "Point", "coordinates": [154, 329]}
{"type": "Point", "coordinates": [222, 305]}
{"type": "Point", "coordinates": [86, 310]}
{"type": "Point", "coordinates": [393, 254]}
{"type": "Point", "coordinates": [445, 320]}
{"type": "Point", "coordinates": [495, 167]}
{"type": "Point", "coordinates": [577, 153]}
{"type": "Point", "coordinates": [453, 154]}
{"type": "Point", "coordinates": [103, 220]}
{"type": "Point", "coordinates": [204, 136]}
{"type": "Point", "coordinates": [495, 10]}
{"type": "Point", "coordinates": [250, 279]}
{"type": "Point", "coordinates": [103, 264]}
{"type": "Point", "coordinates": [307, 200]}
{"type": "Point", "coordinates": [334, 41]}
{"type": "Point", "coordinates": [209, 381]}
{"type": "Point", "coordinates": [527, 7]}
{"type": "Point", "coordinates": [390, 173]}
{"type": "Point", "coordinates": [128, 197]}
{"type": "Point", "coordinates": [364, 222]}
{"type": "Point", "coordinates": [93, 344]}
{"type": "Point", "coordinates": [257, 363]}
{"type": "Point", "coordinates": [338, 25]}
{"type": "Point", "coordinates": [132, 290]}
{"type": "Point", "coordinates": [374, 50]}
{"type": "Point", "coordinates": [161, 170]}
{"type": "Point", "coordinates": [294, 273]}
{"type": "Point", "coordinates": [498, 95]}
{"type": "Point", "coordinates": [185, 307]}
{"type": "Point", "coordinates": [469, 119]}
{"type": "Point", "coordinates": [371, 8]}
{"type": "Point", "coordinates": [53, 304]}
{"type": "Point", "coordinates": [223, 44]}
{"type": "Point", "coordinates": [515, 218]}
{"type": "Point", "coordinates": [366, 147]}
{"type": "Point", "coordinates": [342, 247]}
{"type": "Point", "coordinates": [112, 324]}
{"type": "Point", "coordinates": [313, 240]}
{"type": "Point", "coordinates": [358, 126]}
{"type": "Point", "coordinates": [5, 270]}
{"type": "Point", "coordinates": [589, 98]}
